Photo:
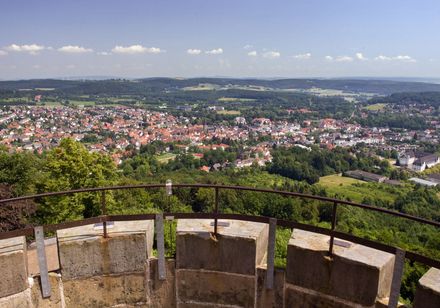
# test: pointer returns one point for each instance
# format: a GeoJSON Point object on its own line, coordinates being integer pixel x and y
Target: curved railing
{"type": "Point", "coordinates": [104, 218]}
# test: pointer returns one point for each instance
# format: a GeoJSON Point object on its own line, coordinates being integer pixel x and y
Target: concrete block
{"type": "Point", "coordinates": [270, 297]}
{"type": "Point", "coordinates": [238, 248]}
{"type": "Point", "coordinates": [18, 300]}
{"type": "Point", "coordinates": [162, 293]}
{"type": "Point", "coordinates": [53, 262]}
{"type": "Point", "coordinates": [84, 252]}
{"type": "Point", "coordinates": [357, 273]}
{"type": "Point", "coordinates": [200, 287]}
{"type": "Point", "coordinates": [428, 290]}
{"type": "Point", "coordinates": [57, 297]}
{"type": "Point", "coordinates": [124, 290]}
{"type": "Point", "coordinates": [13, 266]}
{"type": "Point", "coordinates": [297, 297]}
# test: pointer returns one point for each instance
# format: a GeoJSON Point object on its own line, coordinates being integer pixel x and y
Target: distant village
{"type": "Point", "coordinates": [117, 129]}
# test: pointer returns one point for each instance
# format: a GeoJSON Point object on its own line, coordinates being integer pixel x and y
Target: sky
{"type": "Point", "coordinates": [234, 38]}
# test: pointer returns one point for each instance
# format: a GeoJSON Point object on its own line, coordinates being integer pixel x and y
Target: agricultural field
{"type": "Point", "coordinates": [83, 103]}
{"type": "Point", "coordinates": [235, 99]}
{"type": "Point", "coordinates": [229, 112]}
{"type": "Point", "coordinates": [164, 158]}
{"type": "Point", "coordinates": [357, 190]}
{"type": "Point", "coordinates": [375, 107]}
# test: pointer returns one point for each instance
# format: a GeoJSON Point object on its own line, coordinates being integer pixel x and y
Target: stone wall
{"type": "Point", "coordinates": [227, 270]}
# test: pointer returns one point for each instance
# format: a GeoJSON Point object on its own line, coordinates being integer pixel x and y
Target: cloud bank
{"type": "Point", "coordinates": [135, 49]}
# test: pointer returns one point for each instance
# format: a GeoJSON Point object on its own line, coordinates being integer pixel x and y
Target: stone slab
{"type": "Point", "coordinates": [107, 291]}
{"type": "Point", "coordinates": [162, 293]}
{"type": "Point", "coordinates": [53, 263]}
{"type": "Point", "coordinates": [84, 252]}
{"type": "Point", "coordinates": [19, 300]}
{"type": "Point", "coordinates": [13, 266]}
{"type": "Point", "coordinates": [356, 273]}
{"type": "Point", "coordinates": [297, 297]}
{"type": "Point", "coordinates": [199, 287]}
{"type": "Point", "coordinates": [428, 290]}
{"type": "Point", "coordinates": [238, 248]}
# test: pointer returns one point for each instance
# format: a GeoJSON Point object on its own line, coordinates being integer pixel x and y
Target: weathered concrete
{"type": "Point", "coordinates": [238, 248]}
{"type": "Point", "coordinates": [297, 297]}
{"type": "Point", "coordinates": [85, 253]}
{"type": "Point", "coordinates": [428, 290]}
{"type": "Point", "coordinates": [162, 293]}
{"type": "Point", "coordinates": [214, 288]}
{"type": "Point", "coordinates": [19, 300]}
{"type": "Point", "coordinates": [51, 248]}
{"type": "Point", "coordinates": [13, 266]}
{"type": "Point", "coordinates": [270, 297]}
{"type": "Point", "coordinates": [107, 291]}
{"type": "Point", "coordinates": [57, 296]}
{"type": "Point", "coordinates": [358, 274]}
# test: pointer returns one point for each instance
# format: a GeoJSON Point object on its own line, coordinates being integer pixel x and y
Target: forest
{"type": "Point", "coordinates": [72, 166]}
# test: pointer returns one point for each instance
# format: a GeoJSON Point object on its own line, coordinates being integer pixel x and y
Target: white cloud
{"type": "Point", "coordinates": [136, 49]}
{"type": "Point", "coordinates": [303, 56]}
{"type": "Point", "coordinates": [247, 46]}
{"type": "Point", "coordinates": [252, 53]}
{"type": "Point", "coordinates": [74, 49]}
{"type": "Point", "coordinates": [193, 51]}
{"type": "Point", "coordinates": [339, 58]}
{"type": "Point", "coordinates": [403, 58]}
{"type": "Point", "coordinates": [32, 49]}
{"type": "Point", "coordinates": [271, 54]}
{"type": "Point", "coordinates": [217, 51]}
{"type": "Point", "coordinates": [3, 53]}
{"type": "Point", "coordinates": [103, 53]}
{"type": "Point", "coordinates": [344, 59]}
{"type": "Point", "coordinates": [360, 56]}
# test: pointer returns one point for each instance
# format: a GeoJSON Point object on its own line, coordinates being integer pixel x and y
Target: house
{"type": "Point", "coordinates": [366, 176]}
{"type": "Point", "coordinates": [426, 161]}
{"type": "Point", "coordinates": [406, 158]}
{"type": "Point", "coordinates": [418, 161]}
{"type": "Point", "coordinates": [204, 168]}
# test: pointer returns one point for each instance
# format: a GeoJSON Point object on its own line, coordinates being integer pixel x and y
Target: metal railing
{"type": "Point", "coordinates": [332, 232]}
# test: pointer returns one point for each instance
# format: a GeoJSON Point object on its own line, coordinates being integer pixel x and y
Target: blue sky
{"type": "Point", "coordinates": [238, 38]}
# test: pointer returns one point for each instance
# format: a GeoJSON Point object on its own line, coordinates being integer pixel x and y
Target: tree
{"type": "Point", "coordinates": [71, 166]}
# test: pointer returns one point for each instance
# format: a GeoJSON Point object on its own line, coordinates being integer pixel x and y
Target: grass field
{"type": "Point", "coordinates": [235, 99]}
{"type": "Point", "coordinates": [356, 190]}
{"type": "Point", "coordinates": [375, 107]}
{"type": "Point", "coordinates": [337, 180]}
{"type": "Point", "coordinates": [52, 104]}
{"type": "Point", "coordinates": [83, 103]}
{"type": "Point", "coordinates": [229, 112]}
{"type": "Point", "coordinates": [164, 158]}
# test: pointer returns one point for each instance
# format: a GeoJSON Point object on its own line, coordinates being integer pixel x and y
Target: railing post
{"type": "Point", "coordinates": [335, 207]}
{"type": "Point", "coordinates": [42, 261]}
{"type": "Point", "coordinates": [104, 212]}
{"type": "Point", "coordinates": [271, 253]}
{"type": "Point", "coordinates": [215, 210]}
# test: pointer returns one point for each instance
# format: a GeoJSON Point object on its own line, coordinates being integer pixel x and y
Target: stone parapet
{"type": "Point", "coordinates": [428, 290]}
{"type": "Point", "coordinates": [84, 252]}
{"type": "Point", "coordinates": [215, 288]}
{"type": "Point", "coordinates": [13, 266]}
{"type": "Point", "coordinates": [357, 273]}
{"type": "Point", "coordinates": [238, 248]}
